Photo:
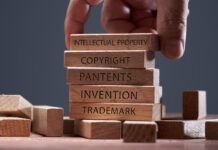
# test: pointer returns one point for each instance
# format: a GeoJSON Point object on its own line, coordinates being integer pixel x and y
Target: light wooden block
{"type": "Point", "coordinates": [123, 41]}
{"type": "Point", "coordinates": [112, 76]}
{"type": "Point", "coordinates": [48, 120]}
{"type": "Point", "coordinates": [15, 105]}
{"type": "Point", "coordinates": [14, 126]}
{"type": "Point", "coordinates": [115, 111]}
{"type": "Point", "coordinates": [139, 131]}
{"type": "Point", "coordinates": [68, 127]}
{"type": "Point", "coordinates": [98, 129]}
{"type": "Point", "coordinates": [194, 105]}
{"type": "Point", "coordinates": [109, 58]}
{"type": "Point", "coordinates": [212, 130]}
{"type": "Point", "coordinates": [181, 129]}
{"type": "Point", "coordinates": [163, 111]}
{"type": "Point", "coordinates": [115, 93]}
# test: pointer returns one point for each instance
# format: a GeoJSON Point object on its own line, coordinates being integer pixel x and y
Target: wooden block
{"type": "Point", "coordinates": [212, 129]}
{"type": "Point", "coordinates": [15, 105]}
{"type": "Point", "coordinates": [194, 105]}
{"type": "Point", "coordinates": [14, 126]}
{"type": "Point", "coordinates": [109, 58]}
{"type": "Point", "coordinates": [139, 131]}
{"type": "Point", "coordinates": [172, 116]}
{"type": "Point", "coordinates": [112, 76]}
{"type": "Point", "coordinates": [68, 127]}
{"type": "Point", "coordinates": [115, 93]}
{"type": "Point", "coordinates": [48, 120]}
{"type": "Point", "coordinates": [122, 121]}
{"type": "Point", "coordinates": [98, 129]}
{"type": "Point", "coordinates": [115, 111]}
{"type": "Point", "coordinates": [124, 41]}
{"type": "Point", "coordinates": [163, 111]}
{"type": "Point", "coordinates": [181, 129]}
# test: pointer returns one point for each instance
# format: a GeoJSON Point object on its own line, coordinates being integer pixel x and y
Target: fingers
{"type": "Point", "coordinates": [171, 26]}
{"type": "Point", "coordinates": [120, 16]}
{"type": "Point", "coordinates": [76, 16]}
{"type": "Point", "coordinates": [115, 17]}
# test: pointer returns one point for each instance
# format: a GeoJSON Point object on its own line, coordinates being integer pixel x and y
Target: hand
{"type": "Point", "coordinates": [168, 18]}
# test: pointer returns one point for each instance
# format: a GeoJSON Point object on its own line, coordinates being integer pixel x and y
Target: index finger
{"type": "Point", "coordinates": [76, 16]}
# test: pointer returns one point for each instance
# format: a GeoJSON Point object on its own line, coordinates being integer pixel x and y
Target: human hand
{"type": "Point", "coordinates": [168, 18]}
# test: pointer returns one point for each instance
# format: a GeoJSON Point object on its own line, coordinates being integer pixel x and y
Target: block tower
{"type": "Point", "coordinates": [112, 78]}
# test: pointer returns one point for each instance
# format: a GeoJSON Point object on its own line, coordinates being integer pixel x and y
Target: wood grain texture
{"type": "Point", "coordinates": [139, 131]}
{"type": "Point", "coordinates": [115, 93]}
{"type": "Point", "coordinates": [124, 41]}
{"type": "Point", "coordinates": [109, 58]}
{"type": "Point", "coordinates": [212, 129]}
{"type": "Point", "coordinates": [16, 106]}
{"type": "Point", "coordinates": [68, 127]}
{"type": "Point", "coordinates": [98, 129]}
{"type": "Point", "coordinates": [115, 111]}
{"type": "Point", "coordinates": [48, 120]}
{"type": "Point", "coordinates": [194, 105]}
{"type": "Point", "coordinates": [112, 76]}
{"type": "Point", "coordinates": [14, 126]}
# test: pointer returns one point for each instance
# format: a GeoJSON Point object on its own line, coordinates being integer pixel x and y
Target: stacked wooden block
{"type": "Point", "coordinates": [18, 117]}
{"type": "Point", "coordinates": [15, 116]}
{"type": "Point", "coordinates": [113, 77]}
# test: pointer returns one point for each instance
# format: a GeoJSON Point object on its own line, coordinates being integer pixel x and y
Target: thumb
{"type": "Point", "coordinates": [171, 26]}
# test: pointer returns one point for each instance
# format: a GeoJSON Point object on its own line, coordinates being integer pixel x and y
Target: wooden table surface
{"type": "Point", "coordinates": [37, 142]}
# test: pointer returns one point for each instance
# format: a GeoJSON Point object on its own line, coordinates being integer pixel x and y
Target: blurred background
{"type": "Point", "coordinates": [32, 47]}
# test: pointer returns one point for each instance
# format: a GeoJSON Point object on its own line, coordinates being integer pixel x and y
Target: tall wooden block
{"type": "Point", "coordinates": [181, 129]}
{"type": "Point", "coordinates": [115, 94]}
{"type": "Point", "coordinates": [112, 76]}
{"type": "Point", "coordinates": [15, 105]}
{"type": "Point", "coordinates": [48, 120]}
{"type": "Point", "coordinates": [14, 126]}
{"type": "Point", "coordinates": [98, 129]}
{"type": "Point", "coordinates": [124, 41]}
{"type": "Point", "coordinates": [139, 131]}
{"type": "Point", "coordinates": [109, 58]}
{"type": "Point", "coordinates": [212, 129]}
{"type": "Point", "coordinates": [68, 127]}
{"type": "Point", "coordinates": [194, 105]}
{"type": "Point", "coordinates": [115, 111]}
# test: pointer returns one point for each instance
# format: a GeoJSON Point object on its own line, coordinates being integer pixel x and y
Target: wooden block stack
{"type": "Point", "coordinates": [15, 116]}
{"type": "Point", "coordinates": [113, 77]}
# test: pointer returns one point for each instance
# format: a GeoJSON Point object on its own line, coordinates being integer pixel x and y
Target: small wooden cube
{"type": "Point", "coordinates": [194, 105]}
{"type": "Point", "coordinates": [139, 131]}
{"type": "Point", "coordinates": [98, 129]}
{"type": "Point", "coordinates": [212, 129]}
{"type": "Point", "coordinates": [14, 126]}
{"type": "Point", "coordinates": [68, 125]}
{"type": "Point", "coordinates": [48, 120]}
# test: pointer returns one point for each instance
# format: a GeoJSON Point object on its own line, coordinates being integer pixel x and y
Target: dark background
{"type": "Point", "coordinates": [32, 48]}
